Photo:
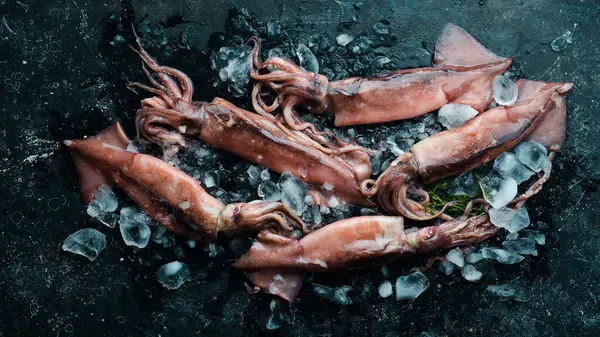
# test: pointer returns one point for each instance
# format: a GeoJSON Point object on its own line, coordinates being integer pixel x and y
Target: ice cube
{"type": "Point", "coordinates": [470, 273]}
{"type": "Point", "coordinates": [272, 322]}
{"type": "Point", "coordinates": [104, 201]}
{"type": "Point", "coordinates": [464, 184]}
{"type": "Point", "coordinates": [211, 179]}
{"type": "Point", "coordinates": [86, 242]}
{"type": "Point", "coordinates": [523, 246]}
{"type": "Point", "coordinates": [293, 192]}
{"type": "Point", "coordinates": [313, 215]}
{"type": "Point", "coordinates": [456, 256]}
{"type": "Point", "coordinates": [273, 29]}
{"type": "Point", "coordinates": [563, 41]}
{"type": "Point", "coordinates": [504, 90]}
{"type": "Point", "coordinates": [134, 227]}
{"type": "Point", "coordinates": [501, 255]}
{"type": "Point", "coordinates": [534, 155]}
{"type": "Point", "coordinates": [335, 295]}
{"type": "Point", "coordinates": [510, 219]}
{"type": "Point", "coordinates": [498, 190]}
{"type": "Point", "coordinates": [333, 202]}
{"type": "Point", "coordinates": [381, 28]}
{"type": "Point", "coordinates": [344, 39]}
{"type": "Point", "coordinates": [254, 175]}
{"type": "Point", "coordinates": [269, 191]}
{"type": "Point", "coordinates": [509, 165]}
{"type": "Point", "coordinates": [385, 289]}
{"type": "Point", "coordinates": [473, 256]}
{"type": "Point", "coordinates": [265, 175]}
{"type": "Point", "coordinates": [453, 115]}
{"type": "Point", "coordinates": [411, 286]}
{"type": "Point", "coordinates": [308, 61]}
{"type": "Point", "coordinates": [328, 186]}
{"type": "Point", "coordinates": [448, 267]}
{"type": "Point", "coordinates": [538, 236]}
{"type": "Point", "coordinates": [173, 274]}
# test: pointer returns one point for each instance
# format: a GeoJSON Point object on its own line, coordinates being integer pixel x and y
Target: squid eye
{"type": "Point", "coordinates": [430, 234]}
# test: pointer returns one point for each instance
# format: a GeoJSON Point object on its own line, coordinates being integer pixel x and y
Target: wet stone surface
{"type": "Point", "coordinates": [64, 69]}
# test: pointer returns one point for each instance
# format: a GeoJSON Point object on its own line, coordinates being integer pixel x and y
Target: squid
{"type": "Point", "coordinates": [462, 73]}
{"type": "Point", "coordinates": [167, 194]}
{"type": "Point", "coordinates": [539, 114]}
{"type": "Point", "coordinates": [171, 118]}
{"type": "Point", "coordinates": [276, 264]}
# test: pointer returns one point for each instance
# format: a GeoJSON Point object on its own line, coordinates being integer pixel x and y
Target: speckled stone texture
{"type": "Point", "coordinates": [61, 77]}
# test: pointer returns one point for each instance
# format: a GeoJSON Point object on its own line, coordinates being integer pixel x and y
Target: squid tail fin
{"type": "Point", "coordinates": [456, 47]}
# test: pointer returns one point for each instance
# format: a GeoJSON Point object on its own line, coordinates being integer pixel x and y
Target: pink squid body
{"type": "Point", "coordinates": [462, 73]}
{"type": "Point", "coordinates": [539, 114]}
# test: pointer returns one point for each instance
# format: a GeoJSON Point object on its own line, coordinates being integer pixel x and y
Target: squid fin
{"type": "Point", "coordinates": [277, 282]}
{"type": "Point", "coordinates": [456, 47]}
{"type": "Point", "coordinates": [90, 178]}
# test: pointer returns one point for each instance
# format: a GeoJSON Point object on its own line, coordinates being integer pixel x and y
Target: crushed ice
{"type": "Point", "coordinates": [293, 192]}
{"type": "Point", "coordinates": [308, 61]}
{"type": "Point", "coordinates": [456, 256]}
{"type": "Point", "coordinates": [335, 295]}
{"type": "Point", "coordinates": [498, 190]}
{"type": "Point", "coordinates": [510, 166]}
{"type": "Point", "coordinates": [385, 289]}
{"type": "Point", "coordinates": [534, 155]}
{"type": "Point", "coordinates": [470, 273]}
{"type": "Point", "coordinates": [501, 255]}
{"type": "Point", "coordinates": [103, 203]}
{"type": "Point", "coordinates": [269, 191]}
{"type": "Point", "coordinates": [510, 219]}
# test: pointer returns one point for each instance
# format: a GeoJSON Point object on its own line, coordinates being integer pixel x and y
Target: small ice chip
{"type": "Point", "coordinates": [86, 242]}
{"type": "Point", "coordinates": [253, 174]}
{"type": "Point", "coordinates": [538, 236]}
{"type": "Point", "coordinates": [265, 175]}
{"type": "Point", "coordinates": [501, 255]}
{"type": "Point", "coordinates": [381, 28]}
{"type": "Point", "coordinates": [328, 186]}
{"type": "Point", "coordinates": [523, 246]}
{"type": "Point", "coordinates": [470, 273]}
{"type": "Point", "coordinates": [134, 227]}
{"type": "Point", "coordinates": [448, 267]}
{"type": "Point", "coordinates": [269, 191]}
{"type": "Point", "coordinates": [510, 219]}
{"type": "Point", "coordinates": [308, 61]}
{"type": "Point", "coordinates": [273, 29]}
{"type": "Point", "coordinates": [293, 192]}
{"type": "Point", "coordinates": [501, 290]}
{"type": "Point", "coordinates": [473, 256]}
{"type": "Point", "coordinates": [508, 165]}
{"type": "Point", "coordinates": [385, 289]}
{"type": "Point", "coordinates": [563, 41]}
{"type": "Point", "coordinates": [464, 184]}
{"type": "Point", "coordinates": [172, 275]}
{"type": "Point", "coordinates": [344, 39]}
{"type": "Point", "coordinates": [498, 190]}
{"type": "Point", "coordinates": [335, 295]}
{"type": "Point", "coordinates": [211, 179]}
{"type": "Point", "coordinates": [456, 256]}
{"type": "Point", "coordinates": [534, 155]}
{"type": "Point", "coordinates": [191, 243]}
{"type": "Point", "coordinates": [333, 202]}
{"type": "Point", "coordinates": [411, 286]}
{"type": "Point", "coordinates": [504, 90]}
{"type": "Point", "coordinates": [453, 115]}
{"type": "Point", "coordinates": [272, 322]}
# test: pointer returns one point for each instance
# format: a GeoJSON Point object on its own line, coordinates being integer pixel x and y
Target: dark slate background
{"type": "Point", "coordinates": [61, 78]}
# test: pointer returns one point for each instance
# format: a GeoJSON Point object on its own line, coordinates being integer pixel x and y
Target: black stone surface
{"type": "Point", "coordinates": [61, 78]}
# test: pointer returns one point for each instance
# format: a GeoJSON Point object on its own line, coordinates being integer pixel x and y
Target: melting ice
{"type": "Point", "coordinates": [523, 246]}
{"type": "Point", "coordinates": [344, 39]}
{"type": "Point", "coordinates": [385, 289]}
{"type": "Point", "coordinates": [86, 242]}
{"type": "Point", "coordinates": [104, 201]}
{"type": "Point", "coordinates": [456, 256]}
{"type": "Point", "coordinates": [470, 273]}
{"type": "Point", "coordinates": [172, 275]}
{"type": "Point", "coordinates": [133, 224]}
{"type": "Point", "coordinates": [501, 255]}
{"type": "Point", "coordinates": [269, 191]}
{"type": "Point", "coordinates": [411, 286]}
{"type": "Point", "coordinates": [464, 184]}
